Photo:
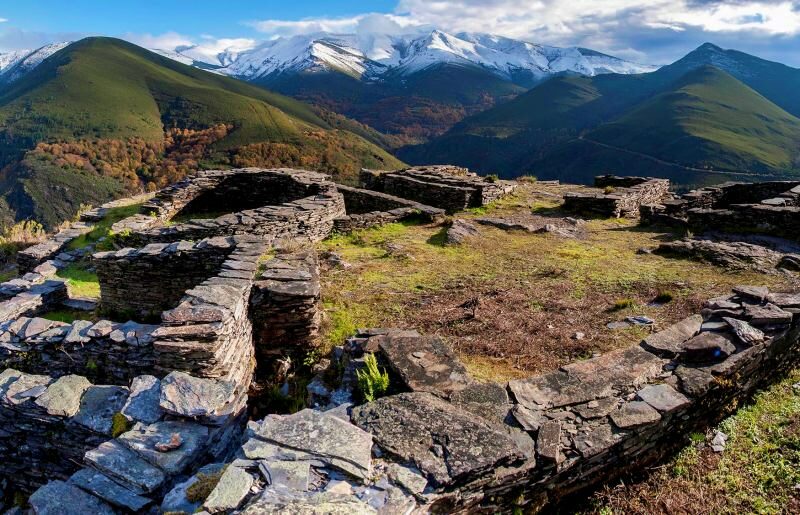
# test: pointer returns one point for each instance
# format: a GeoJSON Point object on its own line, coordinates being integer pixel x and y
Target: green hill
{"type": "Point", "coordinates": [708, 119]}
{"type": "Point", "coordinates": [677, 122]}
{"type": "Point", "coordinates": [100, 90]}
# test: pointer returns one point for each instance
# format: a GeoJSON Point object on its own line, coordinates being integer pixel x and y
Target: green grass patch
{"type": "Point", "coordinates": [66, 315]}
{"type": "Point", "coordinates": [102, 229]}
{"type": "Point", "coordinates": [80, 282]}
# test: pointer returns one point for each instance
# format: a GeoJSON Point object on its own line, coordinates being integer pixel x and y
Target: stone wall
{"type": "Point", "coordinates": [284, 306]}
{"type": "Point", "coordinates": [586, 423]}
{"type": "Point", "coordinates": [367, 208]}
{"type": "Point", "coordinates": [450, 188]}
{"type": "Point", "coordinates": [624, 198]}
{"type": "Point", "coordinates": [209, 333]}
{"type": "Point", "coordinates": [110, 449]}
{"type": "Point", "coordinates": [770, 208]}
{"type": "Point", "coordinates": [141, 283]}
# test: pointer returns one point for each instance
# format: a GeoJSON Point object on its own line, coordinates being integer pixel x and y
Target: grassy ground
{"type": "Point", "coordinates": [533, 292]}
{"type": "Point", "coordinates": [102, 229]}
{"type": "Point", "coordinates": [759, 471]}
{"type": "Point", "coordinates": [81, 282]}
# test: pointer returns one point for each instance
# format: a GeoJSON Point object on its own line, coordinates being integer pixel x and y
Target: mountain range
{"type": "Point", "coordinates": [712, 112]}
{"type": "Point", "coordinates": [412, 87]}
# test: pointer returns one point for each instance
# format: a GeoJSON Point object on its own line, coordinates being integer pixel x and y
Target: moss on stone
{"type": "Point", "coordinates": [205, 484]}
{"type": "Point", "coordinates": [120, 424]}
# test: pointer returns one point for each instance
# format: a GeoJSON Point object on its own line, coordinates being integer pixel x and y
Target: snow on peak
{"type": "Point", "coordinates": [17, 63]}
{"type": "Point", "coordinates": [369, 56]}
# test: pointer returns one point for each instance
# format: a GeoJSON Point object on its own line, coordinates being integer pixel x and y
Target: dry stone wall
{"type": "Point", "coordinates": [624, 197]}
{"type": "Point", "coordinates": [770, 208]}
{"type": "Point", "coordinates": [284, 306]}
{"type": "Point", "coordinates": [141, 283]}
{"type": "Point", "coordinates": [448, 187]}
{"type": "Point", "coordinates": [366, 208]}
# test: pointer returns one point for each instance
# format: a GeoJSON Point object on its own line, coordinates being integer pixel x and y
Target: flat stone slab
{"type": "Point", "coordinates": [27, 387]}
{"type": "Point", "coordinates": [408, 477]}
{"type": "Point", "coordinates": [98, 406]}
{"type": "Point", "coordinates": [633, 414]}
{"type": "Point", "coordinates": [757, 293]}
{"type": "Point", "coordinates": [662, 397]}
{"type": "Point", "coordinates": [290, 474]}
{"type": "Point", "coordinates": [142, 439]}
{"type": "Point", "coordinates": [767, 314]}
{"type": "Point", "coordinates": [61, 498]}
{"type": "Point", "coordinates": [708, 347]}
{"type": "Point", "coordinates": [745, 332]}
{"type": "Point", "coordinates": [424, 364]}
{"type": "Point", "coordinates": [443, 442]}
{"type": "Point", "coordinates": [669, 341]}
{"type": "Point", "coordinates": [103, 487]}
{"type": "Point", "coordinates": [589, 380]}
{"type": "Point", "coordinates": [63, 397]}
{"type": "Point", "coordinates": [117, 461]}
{"type": "Point", "coordinates": [143, 402]}
{"type": "Point", "coordinates": [460, 231]}
{"type": "Point", "coordinates": [332, 439]}
{"type": "Point", "coordinates": [187, 396]}
{"type": "Point", "coordinates": [231, 490]}
{"type": "Point", "coordinates": [322, 503]}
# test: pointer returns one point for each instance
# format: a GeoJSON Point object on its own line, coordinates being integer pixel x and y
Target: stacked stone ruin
{"type": "Point", "coordinates": [771, 208]}
{"type": "Point", "coordinates": [138, 416]}
{"type": "Point", "coordinates": [448, 187]}
{"type": "Point", "coordinates": [618, 196]}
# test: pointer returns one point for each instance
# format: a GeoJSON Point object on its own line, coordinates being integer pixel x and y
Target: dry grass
{"type": "Point", "coordinates": [510, 303]}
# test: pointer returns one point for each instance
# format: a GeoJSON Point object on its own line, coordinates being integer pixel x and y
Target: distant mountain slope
{"type": "Point", "coordinates": [679, 120]}
{"type": "Point", "coordinates": [106, 111]}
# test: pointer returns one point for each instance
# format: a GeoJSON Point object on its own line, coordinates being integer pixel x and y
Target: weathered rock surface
{"type": "Point", "coordinates": [63, 397]}
{"type": "Point", "coordinates": [461, 231]}
{"type": "Point", "coordinates": [230, 491]}
{"type": "Point", "coordinates": [443, 442]}
{"type": "Point", "coordinates": [60, 498]}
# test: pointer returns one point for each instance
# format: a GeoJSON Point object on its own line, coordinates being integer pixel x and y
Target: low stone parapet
{"type": "Point", "coordinates": [623, 197]}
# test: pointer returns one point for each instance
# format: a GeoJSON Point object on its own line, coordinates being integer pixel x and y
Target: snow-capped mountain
{"type": "Point", "coordinates": [370, 57]}
{"type": "Point", "coordinates": [16, 64]}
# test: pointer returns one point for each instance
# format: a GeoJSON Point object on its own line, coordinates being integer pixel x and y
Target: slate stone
{"type": "Point", "coordinates": [143, 402]}
{"type": "Point", "coordinates": [290, 474]}
{"type": "Point", "coordinates": [424, 364]}
{"type": "Point", "coordinates": [142, 439]}
{"type": "Point", "coordinates": [187, 396]}
{"type": "Point", "coordinates": [487, 400]}
{"type": "Point", "coordinates": [708, 347]}
{"type": "Point", "coordinates": [768, 314]}
{"type": "Point", "coordinates": [26, 387]}
{"type": "Point", "coordinates": [460, 231]}
{"type": "Point", "coordinates": [233, 487]}
{"type": "Point", "coordinates": [584, 381]}
{"type": "Point", "coordinates": [745, 332]}
{"type": "Point", "coordinates": [633, 414]}
{"type": "Point", "coordinates": [785, 300]}
{"type": "Point", "coordinates": [60, 498]}
{"type": "Point", "coordinates": [408, 477]}
{"type": "Point", "coordinates": [36, 326]}
{"type": "Point", "coordinates": [599, 440]}
{"type": "Point", "coordinates": [98, 406]}
{"type": "Point", "coordinates": [530, 420]}
{"type": "Point", "coordinates": [694, 381]}
{"type": "Point", "coordinates": [256, 449]}
{"type": "Point", "coordinates": [596, 409]}
{"type": "Point", "coordinates": [757, 293]}
{"type": "Point", "coordinates": [548, 442]}
{"type": "Point", "coordinates": [317, 504]}
{"type": "Point", "coordinates": [63, 397]}
{"type": "Point", "coordinates": [334, 440]}
{"type": "Point", "coordinates": [100, 485]}
{"type": "Point", "coordinates": [668, 342]}
{"type": "Point", "coordinates": [117, 461]}
{"type": "Point", "coordinates": [101, 329]}
{"type": "Point", "coordinates": [443, 442]}
{"type": "Point", "coordinates": [662, 397]}
{"type": "Point", "coordinates": [7, 378]}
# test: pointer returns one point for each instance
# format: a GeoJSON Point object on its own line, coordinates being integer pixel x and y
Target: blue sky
{"type": "Point", "coordinates": [652, 31]}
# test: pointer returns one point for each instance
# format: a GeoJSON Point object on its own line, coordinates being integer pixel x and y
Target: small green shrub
{"type": "Point", "coordinates": [492, 177]}
{"type": "Point", "coordinates": [608, 190]}
{"type": "Point", "coordinates": [621, 304]}
{"type": "Point", "coordinates": [527, 178]}
{"type": "Point", "coordinates": [372, 382]}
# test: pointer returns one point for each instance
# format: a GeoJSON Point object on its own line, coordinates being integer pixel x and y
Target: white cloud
{"type": "Point", "coordinates": [165, 41]}
{"type": "Point", "coordinates": [3, 20]}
